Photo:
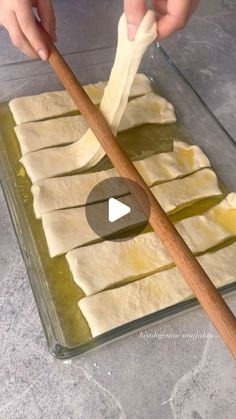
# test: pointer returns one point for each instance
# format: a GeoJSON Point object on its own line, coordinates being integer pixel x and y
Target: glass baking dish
{"type": "Point", "coordinates": [55, 293]}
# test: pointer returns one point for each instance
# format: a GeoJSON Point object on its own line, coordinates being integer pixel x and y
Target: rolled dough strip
{"type": "Point", "coordinates": [34, 136]}
{"type": "Point", "coordinates": [114, 262]}
{"type": "Point", "coordinates": [67, 229]}
{"type": "Point", "coordinates": [148, 109]}
{"type": "Point", "coordinates": [113, 308]}
{"type": "Point", "coordinates": [72, 191]}
{"type": "Point", "coordinates": [51, 104]}
{"type": "Point", "coordinates": [87, 151]}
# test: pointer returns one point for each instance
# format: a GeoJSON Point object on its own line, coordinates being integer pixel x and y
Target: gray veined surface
{"type": "Point", "coordinates": [198, 394]}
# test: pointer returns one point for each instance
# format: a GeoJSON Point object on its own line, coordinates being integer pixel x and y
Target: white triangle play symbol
{"type": "Point", "coordinates": [116, 210]}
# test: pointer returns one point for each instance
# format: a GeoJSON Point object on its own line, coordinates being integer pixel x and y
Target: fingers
{"type": "Point", "coordinates": [134, 10]}
{"type": "Point", "coordinates": [166, 25]}
{"type": "Point", "coordinates": [47, 16]}
{"type": "Point", "coordinates": [18, 38]}
{"type": "Point", "coordinates": [31, 31]}
{"type": "Point", "coordinates": [18, 18]}
{"type": "Point", "coordinates": [176, 16]}
{"type": "Point", "coordinates": [160, 6]}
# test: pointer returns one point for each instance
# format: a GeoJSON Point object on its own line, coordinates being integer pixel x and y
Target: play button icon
{"type": "Point", "coordinates": [112, 212]}
{"type": "Point", "coordinates": [116, 210]}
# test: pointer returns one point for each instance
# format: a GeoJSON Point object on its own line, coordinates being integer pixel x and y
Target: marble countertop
{"type": "Point", "coordinates": [153, 375]}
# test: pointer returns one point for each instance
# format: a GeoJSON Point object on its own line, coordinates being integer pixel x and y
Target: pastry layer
{"type": "Point", "coordinates": [87, 152]}
{"type": "Point", "coordinates": [67, 229]}
{"type": "Point", "coordinates": [72, 191]}
{"type": "Point", "coordinates": [112, 308]}
{"type": "Point", "coordinates": [51, 104]}
{"type": "Point", "coordinates": [148, 109]}
{"type": "Point", "coordinates": [114, 262]}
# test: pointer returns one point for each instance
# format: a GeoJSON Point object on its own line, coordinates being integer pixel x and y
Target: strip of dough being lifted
{"type": "Point", "coordinates": [148, 109]}
{"type": "Point", "coordinates": [114, 262]}
{"type": "Point", "coordinates": [68, 229]}
{"type": "Point", "coordinates": [72, 191]}
{"type": "Point", "coordinates": [52, 104]}
{"type": "Point", "coordinates": [87, 151]}
{"type": "Point", "coordinates": [113, 308]}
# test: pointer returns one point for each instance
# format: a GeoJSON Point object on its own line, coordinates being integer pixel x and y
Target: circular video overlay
{"type": "Point", "coordinates": [113, 213]}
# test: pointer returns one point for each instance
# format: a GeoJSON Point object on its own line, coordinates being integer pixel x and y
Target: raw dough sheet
{"type": "Point", "coordinates": [113, 308]}
{"type": "Point", "coordinates": [72, 191]}
{"type": "Point", "coordinates": [148, 109]}
{"type": "Point", "coordinates": [180, 178]}
{"type": "Point", "coordinates": [52, 104]}
{"type": "Point", "coordinates": [87, 152]}
{"type": "Point", "coordinates": [67, 229]}
{"type": "Point", "coordinates": [114, 262]}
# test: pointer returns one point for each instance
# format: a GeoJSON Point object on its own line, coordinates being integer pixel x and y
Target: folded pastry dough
{"type": "Point", "coordinates": [72, 191]}
{"type": "Point", "coordinates": [51, 104]}
{"type": "Point", "coordinates": [87, 151]}
{"type": "Point", "coordinates": [114, 262]}
{"type": "Point", "coordinates": [113, 308]}
{"type": "Point", "coordinates": [148, 109]}
{"type": "Point", "coordinates": [67, 229]}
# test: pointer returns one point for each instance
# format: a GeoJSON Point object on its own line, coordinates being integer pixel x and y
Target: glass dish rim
{"type": "Point", "coordinates": [56, 348]}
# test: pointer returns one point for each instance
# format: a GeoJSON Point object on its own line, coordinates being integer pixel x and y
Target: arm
{"type": "Point", "coordinates": [18, 18]}
{"type": "Point", "coordinates": [172, 15]}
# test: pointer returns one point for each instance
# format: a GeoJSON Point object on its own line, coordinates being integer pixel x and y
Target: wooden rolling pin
{"type": "Point", "coordinates": [197, 279]}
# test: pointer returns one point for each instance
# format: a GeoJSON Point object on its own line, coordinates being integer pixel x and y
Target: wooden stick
{"type": "Point", "coordinates": [202, 287]}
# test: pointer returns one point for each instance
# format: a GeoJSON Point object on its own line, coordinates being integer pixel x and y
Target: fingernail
{"type": "Point", "coordinates": [132, 29]}
{"type": "Point", "coordinates": [43, 54]}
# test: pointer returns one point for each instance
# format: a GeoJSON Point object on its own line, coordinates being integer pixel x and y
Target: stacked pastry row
{"type": "Point", "coordinates": [56, 147]}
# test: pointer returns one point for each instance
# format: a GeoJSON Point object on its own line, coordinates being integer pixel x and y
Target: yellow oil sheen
{"type": "Point", "coordinates": [139, 143]}
{"type": "Point", "coordinates": [227, 220]}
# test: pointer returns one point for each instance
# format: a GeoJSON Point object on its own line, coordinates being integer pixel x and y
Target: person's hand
{"type": "Point", "coordinates": [172, 15]}
{"type": "Point", "coordinates": [18, 18]}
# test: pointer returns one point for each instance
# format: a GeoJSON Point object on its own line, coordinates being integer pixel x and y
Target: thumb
{"type": "Point", "coordinates": [134, 11]}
